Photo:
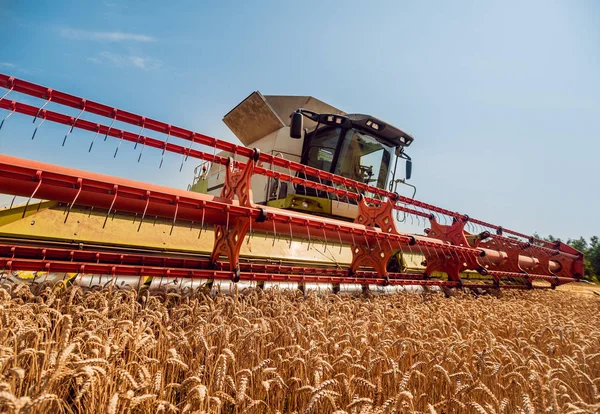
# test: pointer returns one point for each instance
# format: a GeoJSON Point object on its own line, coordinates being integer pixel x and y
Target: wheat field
{"type": "Point", "coordinates": [116, 351]}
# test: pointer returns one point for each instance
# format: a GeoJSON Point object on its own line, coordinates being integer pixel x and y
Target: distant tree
{"type": "Point", "coordinates": [579, 244]}
{"type": "Point", "coordinates": [593, 255]}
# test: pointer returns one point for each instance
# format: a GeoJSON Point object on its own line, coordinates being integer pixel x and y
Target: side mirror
{"type": "Point", "coordinates": [408, 169]}
{"type": "Point", "coordinates": [296, 126]}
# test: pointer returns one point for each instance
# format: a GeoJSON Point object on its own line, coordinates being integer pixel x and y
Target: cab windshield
{"type": "Point", "coordinates": [364, 159]}
{"type": "Point", "coordinates": [350, 153]}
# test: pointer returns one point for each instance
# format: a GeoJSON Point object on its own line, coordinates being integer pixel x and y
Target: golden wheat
{"type": "Point", "coordinates": [113, 350]}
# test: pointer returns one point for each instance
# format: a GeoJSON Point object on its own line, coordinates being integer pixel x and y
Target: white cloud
{"type": "Point", "coordinates": [75, 34]}
{"type": "Point", "coordinates": [7, 65]}
{"type": "Point", "coordinates": [125, 61]}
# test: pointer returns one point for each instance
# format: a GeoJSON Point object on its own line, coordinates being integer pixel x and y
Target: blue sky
{"type": "Point", "coordinates": [503, 97]}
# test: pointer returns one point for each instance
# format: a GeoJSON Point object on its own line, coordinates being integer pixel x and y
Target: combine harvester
{"type": "Point", "coordinates": [309, 200]}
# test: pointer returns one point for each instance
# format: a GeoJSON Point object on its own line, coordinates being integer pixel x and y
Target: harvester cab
{"type": "Point", "coordinates": [355, 146]}
{"type": "Point", "coordinates": [359, 147]}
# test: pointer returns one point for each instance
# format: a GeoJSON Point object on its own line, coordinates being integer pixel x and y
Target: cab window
{"type": "Point", "coordinates": [364, 159]}
{"type": "Point", "coordinates": [321, 152]}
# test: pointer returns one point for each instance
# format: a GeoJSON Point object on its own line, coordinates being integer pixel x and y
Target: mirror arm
{"type": "Point", "coordinates": [313, 116]}
{"type": "Point", "coordinates": [405, 156]}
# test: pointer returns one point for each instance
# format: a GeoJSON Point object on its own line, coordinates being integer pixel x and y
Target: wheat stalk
{"type": "Point", "coordinates": [73, 349]}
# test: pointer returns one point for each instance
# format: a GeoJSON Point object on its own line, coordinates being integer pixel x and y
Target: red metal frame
{"type": "Point", "coordinates": [56, 255]}
{"type": "Point", "coordinates": [62, 98]}
{"type": "Point", "coordinates": [20, 178]}
{"type": "Point", "coordinates": [25, 178]}
{"type": "Point", "coordinates": [42, 259]}
{"type": "Point", "coordinates": [186, 152]}
{"type": "Point", "coordinates": [377, 255]}
{"type": "Point", "coordinates": [229, 238]}
{"type": "Point", "coordinates": [50, 182]}
{"type": "Point", "coordinates": [448, 248]}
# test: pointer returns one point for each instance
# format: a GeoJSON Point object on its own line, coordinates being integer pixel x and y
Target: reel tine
{"type": "Point", "coordinates": [70, 206]}
{"type": "Point", "coordinates": [94, 139]}
{"type": "Point", "coordinates": [83, 101]}
{"type": "Point", "coordinates": [143, 123]}
{"type": "Point", "coordinates": [463, 253]}
{"type": "Point", "coordinates": [119, 145]}
{"type": "Point", "coordinates": [5, 118]}
{"type": "Point", "coordinates": [39, 125]}
{"type": "Point", "coordinates": [39, 177]}
{"type": "Point", "coordinates": [116, 191]}
{"type": "Point", "coordinates": [7, 92]}
{"type": "Point", "coordinates": [186, 154]}
{"type": "Point", "coordinates": [111, 124]}
{"type": "Point", "coordinates": [215, 156]}
{"type": "Point", "coordinates": [203, 206]}
{"type": "Point", "coordinates": [145, 209]}
{"type": "Point", "coordinates": [162, 156]}
{"type": "Point", "coordinates": [49, 98]}
{"type": "Point", "coordinates": [429, 252]}
{"type": "Point", "coordinates": [142, 150]}
{"type": "Point", "coordinates": [175, 217]}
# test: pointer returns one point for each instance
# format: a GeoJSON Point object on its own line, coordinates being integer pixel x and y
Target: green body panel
{"type": "Point", "coordinates": [11, 215]}
{"type": "Point", "coordinates": [200, 186]}
{"type": "Point", "coordinates": [307, 204]}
